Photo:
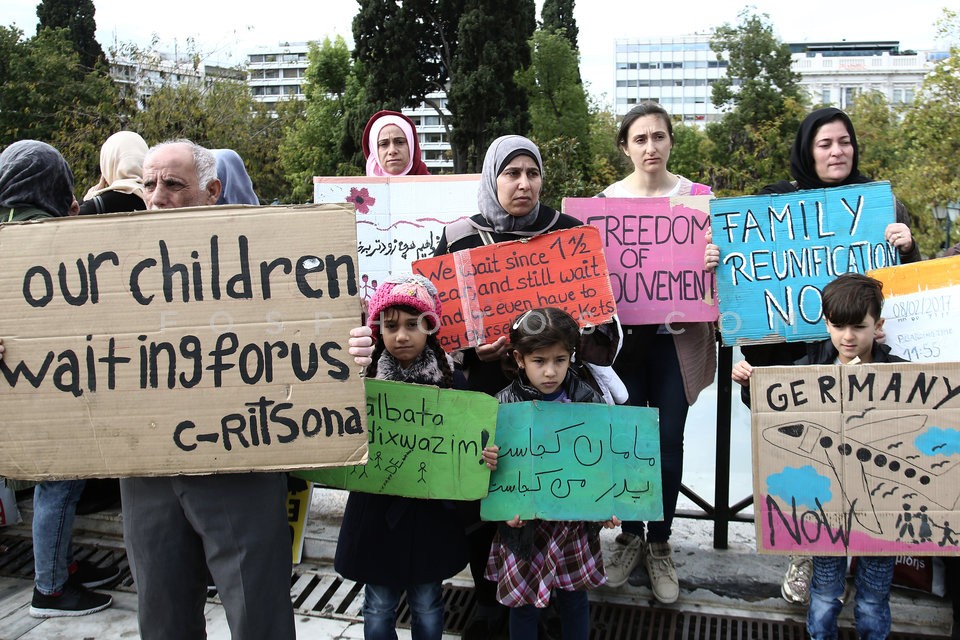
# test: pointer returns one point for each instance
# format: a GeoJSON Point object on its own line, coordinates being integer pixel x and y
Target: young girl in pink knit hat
{"type": "Point", "coordinates": [391, 543]}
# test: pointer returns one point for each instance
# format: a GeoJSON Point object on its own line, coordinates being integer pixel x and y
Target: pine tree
{"type": "Point", "coordinates": [77, 16]}
{"type": "Point", "coordinates": [485, 100]}
{"type": "Point", "coordinates": [557, 15]}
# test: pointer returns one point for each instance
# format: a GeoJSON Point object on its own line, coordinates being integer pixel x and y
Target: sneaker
{"type": "Point", "coordinates": [663, 575]}
{"type": "Point", "coordinates": [796, 582]}
{"type": "Point", "coordinates": [90, 576]}
{"type": "Point", "coordinates": [622, 561]}
{"type": "Point", "coordinates": [72, 601]}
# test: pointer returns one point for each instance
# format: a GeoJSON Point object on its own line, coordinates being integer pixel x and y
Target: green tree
{"type": "Point", "coordinates": [314, 145]}
{"type": "Point", "coordinates": [404, 51]}
{"type": "Point", "coordinates": [763, 102]}
{"type": "Point", "coordinates": [47, 94]}
{"type": "Point", "coordinates": [216, 115]}
{"type": "Point", "coordinates": [558, 103]}
{"type": "Point", "coordinates": [484, 98]}
{"type": "Point", "coordinates": [879, 138]}
{"type": "Point", "coordinates": [690, 147]}
{"type": "Point", "coordinates": [77, 17]}
{"type": "Point", "coordinates": [930, 174]}
{"type": "Point", "coordinates": [407, 48]}
{"type": "Point", "coordinates": [557, 15]}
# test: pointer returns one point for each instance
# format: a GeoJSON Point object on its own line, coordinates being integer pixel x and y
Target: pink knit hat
{"type": "Point", "coordinates": [409, 290]}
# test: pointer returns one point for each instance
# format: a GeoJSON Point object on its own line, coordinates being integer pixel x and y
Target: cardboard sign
{"type": "Point", "coordinates": [484, 289]}
{"type": "Point", "coordinates": [575, 461]}
{"type": "Point", "coordinates": [399, 219]}
{"type": "Point", "coordinates": [654, 249]}
{"type": "Point", "coordinates": [424, 442]}
{"type": "Point", "coordinates": [921, 302]}
{"type": "Point", "coordinates": [857, 459]}
{"type": "Point", "coordinates": [778, 252]}
{"type": "Point", "coordinates": [180, 342]}
{"type": "Point", "coordinates": [299, 494]}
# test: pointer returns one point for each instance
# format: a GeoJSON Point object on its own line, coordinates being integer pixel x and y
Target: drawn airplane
{"type": "Point", "coordinates": [880, 460]}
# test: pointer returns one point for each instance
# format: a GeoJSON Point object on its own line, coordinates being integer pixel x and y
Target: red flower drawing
{"type": "Point", "coordinates": [361, 199]}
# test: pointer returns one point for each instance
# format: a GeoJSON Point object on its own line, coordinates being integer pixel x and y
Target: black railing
{"type": "Point", "coordinates": [722, 512]}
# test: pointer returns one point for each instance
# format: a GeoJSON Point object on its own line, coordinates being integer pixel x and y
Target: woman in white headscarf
{"type": "Point", "coordinates": [510, 209]}
{"type": "Point", "coordinates": [121, 176]}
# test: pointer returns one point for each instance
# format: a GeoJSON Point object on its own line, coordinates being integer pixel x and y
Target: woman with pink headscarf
{"type": "Point", "coordinates": [391, 147]}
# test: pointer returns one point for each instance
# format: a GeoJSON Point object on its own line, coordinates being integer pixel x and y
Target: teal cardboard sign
{"type": "Point", "coordinates": [575, 461]}
{"type": "Point", "coordinates": [424, 442]}
{"type": "Point", "coordinates": [777, 252]}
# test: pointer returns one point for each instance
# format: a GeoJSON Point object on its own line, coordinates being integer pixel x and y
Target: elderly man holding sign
{"type": "Point", "coordinates": [236, 522]}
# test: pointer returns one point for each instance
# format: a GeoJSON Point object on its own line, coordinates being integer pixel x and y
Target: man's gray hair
{"type": "Point", "coordinates": [203, 160]}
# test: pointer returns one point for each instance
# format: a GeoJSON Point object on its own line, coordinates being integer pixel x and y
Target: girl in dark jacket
{"type": "Point", "coordinates": [391, 543]}
{"type": "Point", "coordinates": [529, 560]}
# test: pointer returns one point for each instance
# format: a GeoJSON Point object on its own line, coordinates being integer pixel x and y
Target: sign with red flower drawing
{"type": "Point", "coordinates": [400, 219]}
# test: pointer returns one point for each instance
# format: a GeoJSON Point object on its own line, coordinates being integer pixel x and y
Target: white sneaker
{"type": "Point", "coordinates": [663, 574]}
{"type": "Point", "coordinates": [796, 582]}
{"type": "Point", "coordinates": [622, 561]}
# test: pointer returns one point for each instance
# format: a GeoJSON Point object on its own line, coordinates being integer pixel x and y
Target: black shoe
{"type": "Point", "coordinates": [90, 576]}
{"type": "Point", "coordinates": [72, 601]}
{"type": "Point", "coordinates": [486, 623]}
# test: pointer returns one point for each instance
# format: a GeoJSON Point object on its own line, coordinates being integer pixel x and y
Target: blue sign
{"type": "Point", "coordinates": [777, 252]}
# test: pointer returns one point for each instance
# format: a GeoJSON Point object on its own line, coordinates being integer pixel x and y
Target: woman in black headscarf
{"type": "Point", "coordinates": [35, 182]}
{"type": "Point", "coordinates": [824, 155]}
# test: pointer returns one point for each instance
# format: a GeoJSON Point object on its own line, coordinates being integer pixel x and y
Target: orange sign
{"type": "Point", "coordinates": [485, 288]}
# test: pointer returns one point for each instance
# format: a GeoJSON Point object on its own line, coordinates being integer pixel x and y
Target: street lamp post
{"type": "Point", "coordinates": [949, 212]}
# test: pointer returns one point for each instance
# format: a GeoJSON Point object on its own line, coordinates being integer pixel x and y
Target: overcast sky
{"type": "Point", "coordinates": [225, 32]}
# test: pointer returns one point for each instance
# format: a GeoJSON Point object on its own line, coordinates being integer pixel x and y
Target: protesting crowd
{"type": "Point", "coordinates": [183, 533]}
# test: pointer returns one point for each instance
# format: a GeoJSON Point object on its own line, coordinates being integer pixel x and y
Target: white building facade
{"type": "Point", "coordinates": [432, 132]}
{"type": "Point", "coordinates": [277, 73]}
{"type": "Point", "coordinates": [679, 73]}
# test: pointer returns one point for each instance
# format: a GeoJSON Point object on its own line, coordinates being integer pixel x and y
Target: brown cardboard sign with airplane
{"type": "Point", "coordinates": [857, 459]}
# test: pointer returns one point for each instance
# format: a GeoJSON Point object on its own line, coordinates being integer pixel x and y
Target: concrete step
{"type": "Point", "coordinates": [734, 581]}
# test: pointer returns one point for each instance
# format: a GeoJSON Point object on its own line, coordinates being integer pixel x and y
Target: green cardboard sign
{"type": "Point", "coordinates": [424, 442]}
{"type": "Point", "coordinates": [563, 461]}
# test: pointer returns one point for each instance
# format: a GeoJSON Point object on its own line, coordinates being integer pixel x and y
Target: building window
{"type": "Point", "coordinates": [902, 96]}
{"type": "Point", "coordinates": [849, 93]}
{"type": "Point", "coordinates": [826, 96]}
{"type": "Point", "coordinates": [291, 73]}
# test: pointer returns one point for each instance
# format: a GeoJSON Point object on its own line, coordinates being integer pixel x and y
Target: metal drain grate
{"type": "Point", "coordinates": [325, 594]}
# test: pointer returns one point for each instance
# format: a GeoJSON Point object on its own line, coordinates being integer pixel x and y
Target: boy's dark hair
{"type": "Point", "coordinates": [848, 299]}
{"type": "Point", "coordinates": [432, 343]}
{"type": "Point", "coordinates": [544, 327]}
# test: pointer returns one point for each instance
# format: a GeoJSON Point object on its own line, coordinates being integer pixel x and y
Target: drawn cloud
{"type": "Point", "coordinates": [935, 441]}
{"type": "Point", "coordinates": [802, 484]}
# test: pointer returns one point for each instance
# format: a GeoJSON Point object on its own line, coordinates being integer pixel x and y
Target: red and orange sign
{"type": "Point", "coordinates": [484, 289]}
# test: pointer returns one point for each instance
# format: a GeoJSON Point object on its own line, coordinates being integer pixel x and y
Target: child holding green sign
{"type": "Point", "coordinates": [528, 560]}
{"type": "Point", "coordinates": [393, 543]}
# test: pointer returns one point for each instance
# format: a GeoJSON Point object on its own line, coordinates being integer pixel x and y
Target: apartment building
{"type": "Point", "coordinates": [679, 72]}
